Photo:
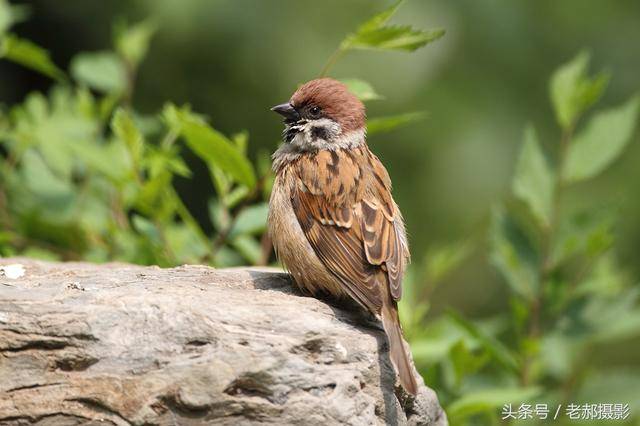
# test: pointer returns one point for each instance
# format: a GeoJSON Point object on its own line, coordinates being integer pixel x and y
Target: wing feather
{"type": "Point", "coordinates": [344, 206]}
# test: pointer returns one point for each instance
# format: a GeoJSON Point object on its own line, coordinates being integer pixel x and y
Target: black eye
{"type": "Point", "coordinates": [314, 111]}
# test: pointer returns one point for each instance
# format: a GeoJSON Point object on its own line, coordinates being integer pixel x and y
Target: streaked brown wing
{"type": "Point", "coordinates": [385, 238]}
{"type": "Point", "coordinates": [340, 248]}
{"type": "Point", "coordinates": [344, 206]}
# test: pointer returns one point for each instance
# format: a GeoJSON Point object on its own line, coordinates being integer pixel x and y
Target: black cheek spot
{"type": "Point", "coordinates": [318, 132]}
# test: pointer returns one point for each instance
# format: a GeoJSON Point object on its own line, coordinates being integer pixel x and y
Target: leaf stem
{"type": "Point", "coordinates": [337, 54]}
{"type": "Point", "coordinates": [545, 267]}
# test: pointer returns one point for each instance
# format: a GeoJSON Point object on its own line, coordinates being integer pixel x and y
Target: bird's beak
{"type": "Point", "coordinates": [287, 111]}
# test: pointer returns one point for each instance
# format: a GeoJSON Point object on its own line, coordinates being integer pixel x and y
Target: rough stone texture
{"type": "Point", "coordinates": [121, 344]}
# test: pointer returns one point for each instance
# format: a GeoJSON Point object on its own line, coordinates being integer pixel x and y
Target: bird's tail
{"type": "Point", "coordinates": [398, 350]}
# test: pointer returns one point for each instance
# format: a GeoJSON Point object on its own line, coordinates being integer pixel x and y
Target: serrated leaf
{"type": "Point", "coordinates": [572, 92]}
{"type": "Point", "coordinates": [29, 55]}
{"type": "Point", "coordinates": [103, 71]}
{"type": "Point", "coordinates": [602, 141]}
{"type": "Point", "coordinates": [487, 400]}
{"type": "Point", "coordinates": [533, 182]}
{"type": "Point", "coordinates": [394, 38]}
{"type": "Point", "coordinates": [217, 151]}
{"type": "Point", "coordinates": [379, 19]}
{"type": "Point", "coordinates": [514, 255]}
{"type": "Point", "coordinates": [42, 193]}
{"type": "Point", "coordinates": [362, 89]}
{"type": "Point", "coordinates": [386, 124]}
{"type": "Point", "coordinates": [373, 34]}
{"type": "Point", "coordinates": [56, 126]}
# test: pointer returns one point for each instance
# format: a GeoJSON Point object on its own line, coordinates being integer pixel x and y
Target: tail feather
{"type": "Point", "coordinates": [397, 348]}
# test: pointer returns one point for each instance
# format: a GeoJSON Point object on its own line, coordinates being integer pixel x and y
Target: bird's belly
{"type": "Point", "coordinates": [293, 249]}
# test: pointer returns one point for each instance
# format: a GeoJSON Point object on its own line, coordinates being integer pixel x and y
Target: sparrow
{"type": "Point", "coordinates": [332, 219]}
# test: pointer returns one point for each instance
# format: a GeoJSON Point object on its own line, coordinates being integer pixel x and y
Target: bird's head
{"type": "Point", "coordinates": [323, 114]}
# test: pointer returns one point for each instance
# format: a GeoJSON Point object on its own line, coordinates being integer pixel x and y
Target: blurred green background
{"type": "Point", "coordinates": [480, 85]}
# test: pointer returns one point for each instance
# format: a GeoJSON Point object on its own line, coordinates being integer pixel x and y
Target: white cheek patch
{"type": "Point", "coordinates": [316, 134]}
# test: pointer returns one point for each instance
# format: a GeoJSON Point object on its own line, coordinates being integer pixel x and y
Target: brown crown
{"type": "Point", "coordinates": [335, 100]}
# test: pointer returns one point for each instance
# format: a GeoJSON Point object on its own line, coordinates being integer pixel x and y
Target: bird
{"type": "Point", "coordinates": [332, 219]}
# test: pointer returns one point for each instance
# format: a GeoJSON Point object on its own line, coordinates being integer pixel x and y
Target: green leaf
{"type": "Point", "coordinates": [125, 129]}
{"type": "Point", "coordinates": [218, 215]}
{"type": "Point", "coordinates": [394, 38]}
{"type": "Point", "coordinates": [572, 92]}
{"type": "Point", "coordinates": [386, 124]}
{"type": "Point", "coordinates": [241, 141]}
{"type": "Point", "coordinates": [373, 34]}
{"type": "Point", "coordinates": [558, 353]}
{"type": "Point", "coordinates": [586, 234]}
{"type": "Point", "coordinates": [112, 160]}
{"type": "Point", "coordinates": [145, 227]}
{"type": "Point", "coordinates": [149, 200]}
{"type": "Point", "coordinates": [250, 221]}
{"type": "Point", "coordinates": [10, 14]}
{"type": "Point", "coordinates": [533, 182]}
{"type": "Point", "coordinates": [103, 71]}
{"type": "Point", "coordinates": [465, 361]}
{"type": "Point", "coordinates": [5, 17]}
{"type": "Point", "coordinates": [233, 198]}
{"type": "Point", "coordinates": [158, 161]}
{"type": "Point", "coordinates": [602, 141]}
{"type": "Point", "coordinates": [57, 127]}
{"type": "Point", "coordinates": [362, 89]}
{"type": "Point", "coordinates": [606, 279]}
{"type": "Point", "coordinates": [132, 43]}
{"type": "Point", "coordinates": [380, 19]}
{"type": "Point", "coordinates": [514, 255]}
{"type": "Point", "coordinates": [495, 348]}
{"type": "Point", "coordinates": [43, 193]}
{"type": "Point", "coordinates": [488, 400]}
{"type": "Point", "coordinates": [29, 55]}
{"type": "Point", "coordinates": [217, 151]}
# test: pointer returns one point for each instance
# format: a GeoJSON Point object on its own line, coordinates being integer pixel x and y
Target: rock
{"type": "Point", "coordinates": [118, 344]}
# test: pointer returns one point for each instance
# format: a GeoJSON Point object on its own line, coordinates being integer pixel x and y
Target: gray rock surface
{"type": "Point", "coordinates": [119, 344]}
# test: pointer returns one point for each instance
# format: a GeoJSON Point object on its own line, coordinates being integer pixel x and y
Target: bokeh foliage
{"type": "Point", "coordinates": [86, 175]}
{"type": "Point", "coordinates": [569, 295]}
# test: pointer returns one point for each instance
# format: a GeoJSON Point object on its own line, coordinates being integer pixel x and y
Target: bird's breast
{"type": "Point", "coordinates": [291, 244]}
